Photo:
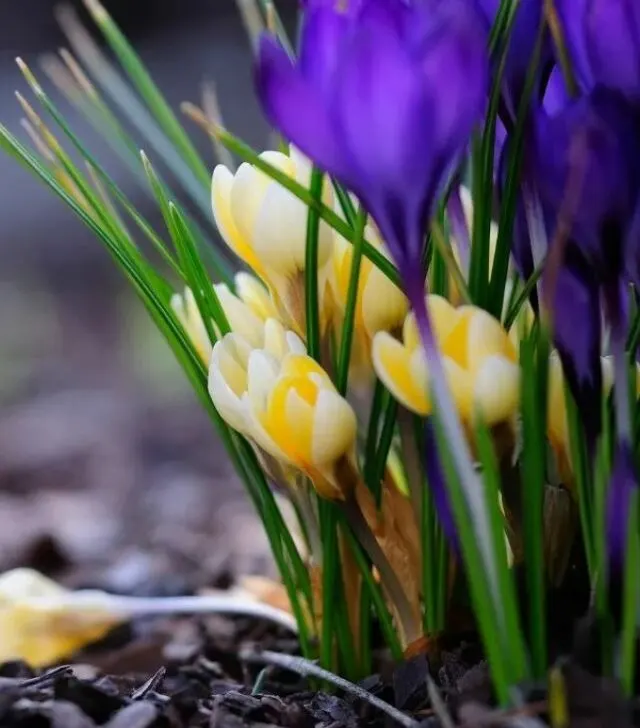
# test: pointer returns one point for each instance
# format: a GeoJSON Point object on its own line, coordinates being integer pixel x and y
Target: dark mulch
{"type": "Point", "coordinates": [181, 673]}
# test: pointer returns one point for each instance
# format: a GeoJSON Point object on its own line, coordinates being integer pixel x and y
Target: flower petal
{"type": "Point", "coordinates": [296, 108]}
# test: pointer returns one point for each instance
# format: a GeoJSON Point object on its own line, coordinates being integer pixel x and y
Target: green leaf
{"type": "Point", "coordinates": [534, 364]}
{"type": "Point", "coordinates": [312, 298]}
{"type": "Point", "coordinates": [147, 89]}
{"type": "Point", "coordinates": [344, 354]}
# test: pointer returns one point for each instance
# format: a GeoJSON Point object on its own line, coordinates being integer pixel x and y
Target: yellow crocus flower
{"type": "Point", "coordinates": [266, 226]}
{"type": "Point", "coordinates": [186, 309]}
{"type": "Point", "coordinates": [246, 312]}
{"type": "Point", "coordinates": [285, 403]}
{"type": "Point", "coordinates": [381, 305]}
{"type": "Point", "coordinates": [479, 359]}
{"type": "Point", "coordinates": [557, 424]}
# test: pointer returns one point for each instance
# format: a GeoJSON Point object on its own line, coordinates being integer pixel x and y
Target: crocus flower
{"type": "Point", "coordinates": [284, 402]}
{"type": "Point", "coordinates": [384, 98]}
{"type": "Point", "coordinates": [266, 226]}
{"type": "Point", "coordinates": [557, 423]}
{"type": "Point", "coordinates": [381, 305]}
{"type": "Point", "coordinates": [246, 312]}
{"type": "Point", "coordinates": [603, 40]}
{"type": "Point", "coordinates": [479, 358]}
{"type": "Point", "coordinates": [583, 161]}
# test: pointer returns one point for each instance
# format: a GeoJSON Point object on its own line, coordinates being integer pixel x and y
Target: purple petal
{"type": "Point", "coordinates": [385, 133]}
{"type": "Point", "coordinates": [295, 108]}
{"type": "Point", "coordinates": [577, 336]}
{"type": "Point", "coordinates": [556, 95]}
{"type": "Point", "coordinates": [572, 14]}
{"type": "Point", "coordinates": [621, 487]}
{"type": "Point", "coordinates": [589, 151]}
{"type": "Point", "coordinates": [613, 36]}
{"type": "Point", "coordinates": [323, 35]}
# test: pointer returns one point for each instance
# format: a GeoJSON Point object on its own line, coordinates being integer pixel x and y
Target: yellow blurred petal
{"type": "Point", "coordinates": [186, 309]}
{"type": "Point", "coordinates": [393, 365]}
{"type": "Point", "coordinates": [384, 306]}
{"type": "Point", "coordinates": [487, 337]}
{"type": "Point", "coordinates": [496, 389]}
{"type": "Point", "coordinates": [461, 386]}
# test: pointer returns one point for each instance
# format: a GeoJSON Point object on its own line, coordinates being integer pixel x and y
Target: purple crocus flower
{"type": "Point", "coordinates": [384, 97]}
{"type": "Point", "coordinates": [583, 164]}
{"type": "Point", "coordinates": [603, 40]}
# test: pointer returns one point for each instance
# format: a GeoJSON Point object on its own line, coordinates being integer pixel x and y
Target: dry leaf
{"type": "Point", "coordinates": [38, 623]}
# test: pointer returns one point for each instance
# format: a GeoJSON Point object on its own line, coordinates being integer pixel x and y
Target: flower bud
{"type": "Point", "coordinates": [285, 403]}
{"type": "Point", "coordinates": [381, 305]}
{"type": "Point", "coordinates": [479, 360]}
{"type": "Point", "coordinates": [557, 423]}
{"type": "Point", "coordinates": [186, 309]}
{"type": "Point", "coordinates": [266, 226]}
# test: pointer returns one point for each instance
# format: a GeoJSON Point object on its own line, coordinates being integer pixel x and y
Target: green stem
{"type": "Point", "coordinates": [312, 305]}
{"type": "Point", "coordinates": [348, 326]}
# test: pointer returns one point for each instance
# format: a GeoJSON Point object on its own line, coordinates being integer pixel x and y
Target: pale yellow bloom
{"type": "Point", "coordinates": [557, 423]}
{"type": "Point", "coordinates": [480, 363]}
{"type": "Point", "coordinates": [266, 226]}
{"type": "Point", "coordinates": [246, 312]}
{"type": "Point", "coordinates": [186, 309]}
{"type": "Point", "coordinates": [285, 402]}
{"type": "Point", "coordinates": [252, 292]}
{"type": "Point", "coordinates": [381, 305]}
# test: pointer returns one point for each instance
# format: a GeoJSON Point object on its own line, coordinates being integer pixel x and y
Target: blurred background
{"type": "Point", "coordinates": [110, 475]}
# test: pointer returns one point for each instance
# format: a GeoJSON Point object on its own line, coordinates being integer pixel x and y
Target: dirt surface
{"type": "Point", "coordinates": [189, 674]}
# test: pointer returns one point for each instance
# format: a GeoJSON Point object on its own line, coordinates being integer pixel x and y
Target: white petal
{"type": "Point", "coordinates": [334, 427]}
{"type": "Point", "coordinates": [496, 389]}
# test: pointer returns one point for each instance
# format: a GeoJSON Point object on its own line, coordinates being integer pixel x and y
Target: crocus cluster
{"type": "Point", "coordinates": [384, 99]}
{"type": "Point", "coordinates": [432, 350]}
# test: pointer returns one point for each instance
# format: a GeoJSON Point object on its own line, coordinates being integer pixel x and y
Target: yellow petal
{"type": "Point", "coordinates": [496, 389]}
{"type": "Point", "coordinates": [228, 379]}
{"type": "Point", "coordinates": [255, 295]}
{"type": "Point", "coordinates": [40, 626]}
{"type": "Point", "coordinates": [280, 232]}
{"type": "Point", "coordinates": [279, 342]}
{"type": "Point", "coordinates": [487, 337]}
{"type": "Point", "coordinates": [334, 428]}
{"type": "Point", "coordinates": [241, 318]}
{"type": "Point", "coordinates": [394, 366]}
{"type": "Point", "coordinates": [222, 185]}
